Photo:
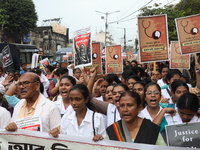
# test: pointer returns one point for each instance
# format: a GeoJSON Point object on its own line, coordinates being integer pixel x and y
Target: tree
{"type": "Point", "coordinates": [171, 15]}
{"type": "Point", "coordinates": [17, 17]}
{"type": "Point", "coordinates": [190, 7]}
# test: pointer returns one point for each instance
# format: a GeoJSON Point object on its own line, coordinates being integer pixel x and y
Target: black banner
{"type": "Point", "coordinates": [184, 135]}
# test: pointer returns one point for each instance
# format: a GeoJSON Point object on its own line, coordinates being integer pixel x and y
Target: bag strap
{"type": "Point", "coordinates": [93, 123]}
{"type": "Point", "coordinates": [170, 94]}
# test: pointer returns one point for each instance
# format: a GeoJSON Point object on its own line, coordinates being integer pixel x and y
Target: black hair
{"type": "Point", "coordinates": [110, 78]}
{"type": "Point", "coordinates": [134, 95]}
{"type": "Point", "coordinates": [135, 77]}
{"type": "Point", "coordinates": [159, 70]}
{"type": "Point", "coordinates": [36, 70]}
{"type": "Point", "coordinates": [134, 62]}
{"type": "Point", "coordinates": [76, 69]}
{"type": "Point", "coordinates": [128, 68]}
{"type": "Point", "coordinates": [61, 71]}
{"type": "Point", "coordinates": [70, 78]}
{"type": "Point", "coordinates": [147, 80]}
{"type": "Point", "coordinates": [165, 66]}
{"type": "Point", "coordinates": [139, 82]}
{"type": "Point", "coordinates": [186, 78]}
{"type": "Point", "coordinates": [172, 73]}
{"type": "Point", "coordinates": [188, 101]}
{"type": "Point", "coordinates": [122, 85]}
{"type": "Point", "coordinates": [84, 91]}
{"type": "Point", "coordinates": [51, 68]}
{"type": "Point", "coordinates": [126, 74]}
{"type": "Point", "coordinates": [111, 84]}
{"type": "Point", "coordinates": [151, 84]}
{"type": "Point", "coordinates": [23, 64]}
{"type": "Point", "coordinates": [175, 84]}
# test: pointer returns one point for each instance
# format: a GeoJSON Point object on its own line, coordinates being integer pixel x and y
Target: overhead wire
{"type": "Point", "coordinates": [130, 6]}
{"type": "Point", "coordinates": [132, 12]}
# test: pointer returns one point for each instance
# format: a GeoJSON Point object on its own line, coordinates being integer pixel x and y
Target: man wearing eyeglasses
{"type": "Point", "coordinates": [34, 110]}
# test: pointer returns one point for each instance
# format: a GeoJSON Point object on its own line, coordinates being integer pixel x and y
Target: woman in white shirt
{"type": "Point", "coordinates": [65, 84]}
{"type": "Point", "coordinates": [82, 122]}
{"type": "Point", "coordinates": [187, 107]}
{"type": "Point", "coordinates": [152, 97]}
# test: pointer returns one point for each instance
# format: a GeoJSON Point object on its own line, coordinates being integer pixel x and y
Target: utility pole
{"type": "Point", "coordinates": [106, 24]}
{"type": "Point", "coordinates": [124, 37]}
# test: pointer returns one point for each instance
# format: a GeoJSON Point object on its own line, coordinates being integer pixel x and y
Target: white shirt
{"type": "Point", "coordinates": [165, 94]}
{"type": "Point", "coordinates": [46, 109]}
{"type": "Point", "coordinates": [99, 98]}
{"type": "Point", "coordinates": [177, 119]}
{"type": "Point", "coordinates": [145, 113]}
{"type": "Point", "coordinates": [160, 82]}
{"type": "Point", "coordinates": [69, 125]}
{"type": "Point", "coordinates": [112, 114]}
{"type": "Point", "coordinates": [59, 103]}
{"type": "Point", "coordinates": [45, 83]}
{"type": "Point", "coordinates": [4, 117]}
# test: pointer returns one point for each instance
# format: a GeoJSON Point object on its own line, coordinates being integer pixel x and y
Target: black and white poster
{"type": "Point", "coordinates": [7, 58]}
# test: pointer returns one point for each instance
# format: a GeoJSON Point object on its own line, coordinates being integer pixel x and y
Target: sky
{"type": "Point", "coordinates": [77, 14]}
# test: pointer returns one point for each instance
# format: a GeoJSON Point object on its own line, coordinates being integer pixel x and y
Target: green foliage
{"type": "Point", "coordinates": [171, 15]}
{"type": "Point", "coordinates": [190, 7]}
{"type": "Point", "coordinates": [18, 17]}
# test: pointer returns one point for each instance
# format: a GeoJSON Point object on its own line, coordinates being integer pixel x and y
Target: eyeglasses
{"type": "Point", "coordinates": [24, 84]}
{"type": "Point", "coordinates": [155, 92]}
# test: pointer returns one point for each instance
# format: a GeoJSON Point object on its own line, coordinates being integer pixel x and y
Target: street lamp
{"type": "Point", "coordinates": [106, 24]}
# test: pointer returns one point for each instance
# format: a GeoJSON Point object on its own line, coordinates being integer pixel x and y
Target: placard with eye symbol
{"type": "Point", "coordinates": [177, 60]}
{"type": "Point", "coordinates": [188, 30]}
{"type": "Point", "coordinates": [153, 38]}
{"type": "Point", "coordinates": [96, 58]}
{"type": "Point", "coordinates": [114, 59]}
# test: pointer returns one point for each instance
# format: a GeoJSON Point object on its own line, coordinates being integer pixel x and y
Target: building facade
{"type": "Point", "coordinates": [47, 40]}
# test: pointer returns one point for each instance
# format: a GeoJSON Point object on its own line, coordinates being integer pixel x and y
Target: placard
{"type": "Point", "coordinates": [184, 135]}
{"type": "Point", "coordinates": [45, 62]}
{"type": "Point", "coordinates": [7, 58]}
{"type": "Point", "coordinates": [82, 47]}
{"type": "Point", "coordinates": [188, 29]}
{"type": "Point", "coordinates": [30, 123]}
{"type": "Point", "coordinates": [96, 58]}
{"type": "Point", "coordinates": [114, 59]}
{"type": "Point", "coordinates": [130, 55]}
{"type": "Point", "coordinates": [177, 60]}
{"type": "Point", "coordinates": [153, 38]}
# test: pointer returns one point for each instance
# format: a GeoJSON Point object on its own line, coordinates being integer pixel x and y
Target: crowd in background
{"type": "Point", "coordinates": [132, 106]}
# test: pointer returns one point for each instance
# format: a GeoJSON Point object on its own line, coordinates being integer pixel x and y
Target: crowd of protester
{"type": "Point", "coordinates": [134, 106]}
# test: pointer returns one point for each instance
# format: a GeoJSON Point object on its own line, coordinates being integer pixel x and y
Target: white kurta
{"type": "Point", "coordinates": [69, 125]}
{"type": "Point", "coordinates": [4, 117]}
{"type": "Point", "coordinates": [165, 94]}
{"type": "Point", "coordinates": [46, 109]}
{"type": "Point", "coordinates": [160, 82]}
{"type": "Point", "coordinates": [112, 114]}
{"type": "Point", "coordinates": [45, 83]}
{"type": "Point", "coordinates": [145, 113]}
{"type": "Point", "coordinates": [177, 119]}
{"type": "Point", "coordinates": [59, 103]}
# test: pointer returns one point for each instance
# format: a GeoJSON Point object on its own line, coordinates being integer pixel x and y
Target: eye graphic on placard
{"type": "Point", "coordinates": [94, 56]}
{"type": "Point", "coordinates": [177, 48]}
{"type": "Point", "coordinates": [155, 35]}
{"type": "Point", "coordinates": [115, 56]}
{"type": "Point", "coordinates": [192, 31]}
